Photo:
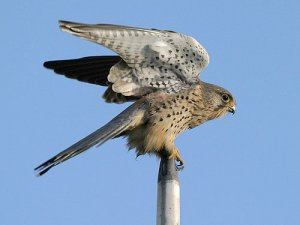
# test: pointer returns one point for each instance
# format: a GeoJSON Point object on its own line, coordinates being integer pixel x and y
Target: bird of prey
{"type": "Point", "coordinates": [156, 69]}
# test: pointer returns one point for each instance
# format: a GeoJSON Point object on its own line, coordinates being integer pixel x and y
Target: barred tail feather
{"type": "Point", "coordinates": [128, 119]}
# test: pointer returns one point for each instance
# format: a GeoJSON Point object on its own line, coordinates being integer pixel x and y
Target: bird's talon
{"type": "Point", "coordinates": [179, 167]}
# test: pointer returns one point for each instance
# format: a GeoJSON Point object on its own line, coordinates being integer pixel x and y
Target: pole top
{"type": "Point", "coordinates": [167, 169]}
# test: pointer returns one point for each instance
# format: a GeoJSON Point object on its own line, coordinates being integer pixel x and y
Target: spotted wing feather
{"type": "Point", "coordinates": [152, 59]}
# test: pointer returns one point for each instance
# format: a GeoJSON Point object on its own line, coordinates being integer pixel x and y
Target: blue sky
{"type": "Point", "coordinates": [242, 169]}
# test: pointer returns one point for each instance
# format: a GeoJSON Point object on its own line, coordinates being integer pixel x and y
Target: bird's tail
{"type": "Point", "coordinates": [128, 119]}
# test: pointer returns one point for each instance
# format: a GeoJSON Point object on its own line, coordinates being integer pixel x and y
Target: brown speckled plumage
{"type": "Point", "coordinates": [159, 71]}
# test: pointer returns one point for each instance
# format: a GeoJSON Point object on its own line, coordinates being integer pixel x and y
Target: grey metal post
{"type": "Point", "coordinates": [168, 194]}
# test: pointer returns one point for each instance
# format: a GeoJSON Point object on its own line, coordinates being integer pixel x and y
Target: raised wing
{"type": "Point", "coordinates": [152, 59]}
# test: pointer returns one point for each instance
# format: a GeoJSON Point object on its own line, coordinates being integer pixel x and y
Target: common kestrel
{"type": "Point", "coordinates": [158, 70]}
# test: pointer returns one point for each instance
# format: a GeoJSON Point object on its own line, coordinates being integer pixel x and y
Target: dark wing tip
{"type": "Point", "coordinates": [66, 24]}
{"type": "Point", "coordinates": [48, 64]}
{"type": "Point", "coordinates": [63, 22]}
{"type": "Point", "coordinates": [92, 69]}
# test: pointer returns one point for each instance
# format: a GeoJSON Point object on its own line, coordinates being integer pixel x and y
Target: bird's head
{"type": "Point", "coordinates": [218, 100]}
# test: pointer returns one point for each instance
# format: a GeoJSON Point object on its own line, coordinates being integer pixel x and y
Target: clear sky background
{"type": "Point", "coordinates": [240, 170]}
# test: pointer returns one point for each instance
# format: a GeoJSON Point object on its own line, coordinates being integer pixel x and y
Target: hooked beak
{"type": "Point", "coordinates": [231, 109]}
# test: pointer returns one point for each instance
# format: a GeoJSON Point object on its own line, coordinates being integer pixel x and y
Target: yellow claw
{"type": "Point", "coordinates": [175, 154]}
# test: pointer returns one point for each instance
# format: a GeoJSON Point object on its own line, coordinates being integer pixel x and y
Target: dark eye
{"type": "Point", "coordinates": [225, 97]}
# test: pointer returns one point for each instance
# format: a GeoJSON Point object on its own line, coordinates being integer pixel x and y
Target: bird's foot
{"type": "Point", "coordinates": [179, 161]}
{"type": "Point", "coordinates": [179, 167]}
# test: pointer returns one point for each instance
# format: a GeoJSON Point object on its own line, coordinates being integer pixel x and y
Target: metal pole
{"type": "Point", "coordinates": [168, 194]}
